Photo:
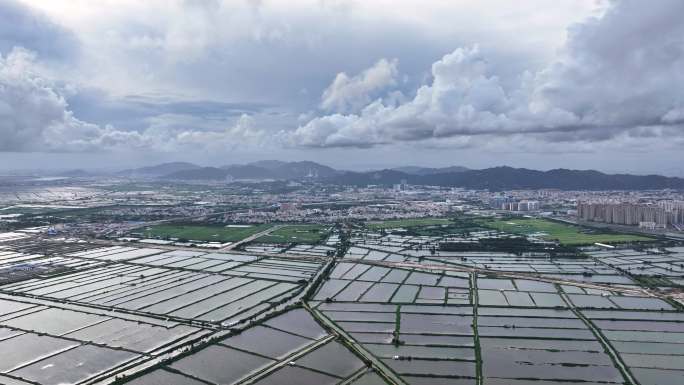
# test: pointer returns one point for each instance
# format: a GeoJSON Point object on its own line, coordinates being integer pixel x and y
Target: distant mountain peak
{"type": "Point", "coordinates": [160, 169]}
{"type": "Point", "coordinates": [261, 170]}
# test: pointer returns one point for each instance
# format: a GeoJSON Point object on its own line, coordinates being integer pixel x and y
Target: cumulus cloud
{"type": "Point", "coordinates": [464, 98]}
{"type": "Point", "coordinates": [618, 75]}
{"type": "Point", "coordinates": [34, 116]}
{"type": "Point", "coordinates": [172, 132]}
{"type": "Point", "coordinates": [623, 69]}
{"type": "Point", "coordinates": [347, 93]}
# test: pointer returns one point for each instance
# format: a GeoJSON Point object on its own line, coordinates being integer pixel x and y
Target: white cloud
{"type": "Point", "coordinates": [618, 77]}
{"type": "Point", "coordinates": [611, 80]}
{"type": "Point", "coordinates": [267, 51]}
{"type": "Point", "coordinates": [172, 133]}
{"type": "Point", "coordinates": [34, 116]}
{"type": "Point", "coordinates": [347, 94]}
{"type": "Point", "coordinates": [464, 98]}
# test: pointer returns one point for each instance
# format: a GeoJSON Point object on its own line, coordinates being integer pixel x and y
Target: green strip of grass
{"type": "Point", "coordinates": [566, 234]}
{"type": "Point", "coordinates": [296, 234]}
{"type": "Point", "coordinates": [409, 222]}
{"type": "Point", "coordinates": [201, 233]}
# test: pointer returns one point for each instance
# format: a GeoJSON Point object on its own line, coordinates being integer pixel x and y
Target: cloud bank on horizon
{"type": "Point", "coordinates": [214, 76]}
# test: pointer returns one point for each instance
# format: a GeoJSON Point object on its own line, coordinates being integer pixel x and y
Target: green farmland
{"type": "Point", "coordinates": [409, 222]}
{"type": "Point", "coordinates": [566, 234]}
{"type": "Point", "coordinates": [296, 234]}
{"type": "Point", "coordinates": [202, 233]}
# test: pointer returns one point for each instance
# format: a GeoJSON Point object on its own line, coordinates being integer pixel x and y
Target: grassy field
{"type": "Point", "coordinates": [410, 222]}
{"type": "Point", "coordinates": [38, 209]}
{"type": "Point", "coordinates": [202, 233]}
{"type": "Point", "coordinates": [566, 234]}
{"type": "Point", "coordinates": [296, 234]}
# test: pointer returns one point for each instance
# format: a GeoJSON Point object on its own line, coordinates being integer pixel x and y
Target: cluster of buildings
{"type": "Point", "coordinates": [292, 212]}
{"type": "Point", "coordinates": [403, 186]}
{"type": "Point", "coordinates": [504, 203]}
{"type": "Point", "coordinates": [521, 206]}
{"type": "Point", "coordinates": [663, 214]}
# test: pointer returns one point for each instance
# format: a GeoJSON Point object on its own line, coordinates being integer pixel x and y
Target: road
{"type": "Point", "coordinates": [251, 238]}
{"type": "Point", "coordinates": [610, 350]}
{"type": "Point", "coordinates": [380, 367]}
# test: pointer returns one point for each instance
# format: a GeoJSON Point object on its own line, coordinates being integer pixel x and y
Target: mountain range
{"type": "Point", "coordinates": [268, 169]}
{"type": "Point", "coordinates": [509, 178]}
{"type": "Point", "coordinates": [159, 170]}
{"type": "Point", "coordinates": [495, 178]}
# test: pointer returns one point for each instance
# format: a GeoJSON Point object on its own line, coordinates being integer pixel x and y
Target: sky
{"type": "Point", "coordinates": [580, 84]}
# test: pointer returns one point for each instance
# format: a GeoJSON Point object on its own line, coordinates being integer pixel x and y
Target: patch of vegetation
{"type": "Point", "coordinates": [514, 245]}
{"type": "Point", "coordinates": [33, 209]}
{"type": "Point", "coordinates": [566, 234]}
{"type": "Point", "coordinates": [407, 223]}
{"type": "Point", "coordinates": [187, 232]}
{"type": "Point", "coordinates": [460, 226]}
{"type": "Point", "coordinates": [296, 234]}
{"type": "Point", "coordinates": [654, 282]}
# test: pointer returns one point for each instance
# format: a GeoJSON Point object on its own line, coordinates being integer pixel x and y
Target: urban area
{"type": "Point", "coordinates": [136, 280]}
